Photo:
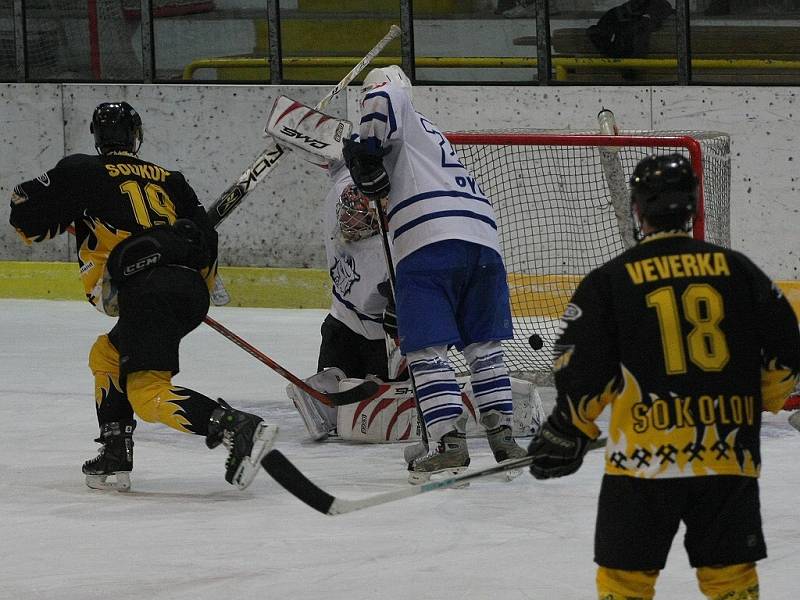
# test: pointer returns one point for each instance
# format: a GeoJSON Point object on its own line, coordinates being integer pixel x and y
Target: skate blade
{"type": "Point", "coordinates": [511, 474]}
{"type": "Point", "coordinates": [263, 441]}
{"type": "Point", "coordinates": [420, 477]}
{"type": "Point", "coordinates": [121, 483]}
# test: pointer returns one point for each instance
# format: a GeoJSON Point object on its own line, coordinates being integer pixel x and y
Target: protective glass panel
{"type": "Point", "coordinates": [7, 42]}
{"type": "Point", "coordinates": [464, 42]}
{"type": "Point", "coordinates": [83, 39]}
{"type": "Point", "coordinates": [210, 39]}
{"type": "Point", "coordinates": [734, 41]}
{"type": "Point", "coordinates": [322, 40]}
{"type": "Point", "coordinates": [612, 42]}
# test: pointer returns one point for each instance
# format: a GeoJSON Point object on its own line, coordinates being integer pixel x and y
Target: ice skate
{"type": "Point", "coordinates": [115, 458]}
{"type": "Point", "coordinates": [247, 437]}
{"type": "Point", "coordinates": [505, 449]}
{"type": "Point", "coordinates": [450, 457]}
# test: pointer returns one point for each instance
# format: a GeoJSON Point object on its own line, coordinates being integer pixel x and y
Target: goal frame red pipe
{"type": "Point", "coordinates": [593, 140]}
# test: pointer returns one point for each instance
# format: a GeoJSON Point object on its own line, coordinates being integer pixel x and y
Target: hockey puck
{"type": "Point", "coordinates": [536, 342]}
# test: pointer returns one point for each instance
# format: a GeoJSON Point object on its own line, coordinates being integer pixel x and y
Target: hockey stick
{"type": "Point", "coordinates": [366, 390]}
{"type": "Point", "coordinates": [387, 255]}
{"type": "Point", "coordinates": [266, 161]}
{"type": "Point", "coordinates": [297, 484]}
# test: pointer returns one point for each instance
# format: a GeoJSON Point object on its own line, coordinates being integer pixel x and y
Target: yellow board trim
{"type": "Point", "coordinates": [531, 295]}
{"type": "Point", "coordinates": [248, 286]}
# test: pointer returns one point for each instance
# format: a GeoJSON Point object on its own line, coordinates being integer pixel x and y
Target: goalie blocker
{"type": "Point", "coordinates": [391, 416]}
{"type": "Point", "coordinates": [315, 135]}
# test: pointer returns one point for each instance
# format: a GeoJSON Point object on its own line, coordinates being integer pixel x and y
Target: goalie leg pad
{"type": "Point", "coordinates": [391, 417]}
{"type": "Point", "coordinates": [320, 420]}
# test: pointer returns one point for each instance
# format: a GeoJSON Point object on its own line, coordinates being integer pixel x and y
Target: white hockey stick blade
{"type": "Point", "coordinates": [794, 420]}
{"type": "Point", "coordinates": [292, 479]}
{"type": "Point", "coordinates": [263, 441]}
{"type": "Point", "coordinates": [265, 162]}
{"type": "Point", "coordinates": [121, 482]}
{"type": "Point", "coordinates": [315, 135]}
{"type": "Point", "coordinates": [219, 295]}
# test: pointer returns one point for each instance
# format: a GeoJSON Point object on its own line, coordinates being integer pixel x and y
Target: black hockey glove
{"type": "Point", "coordinates": [557, 448]}
{"type": "Point", "coordinates": [366, 168]}
{"type": "Point", "coordinates": [390, 312]}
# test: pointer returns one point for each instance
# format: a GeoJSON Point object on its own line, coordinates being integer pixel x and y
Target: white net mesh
{"type": "Point", "coordinates": [73, 39]}
{"type": "Point", "coordinates": [554, 194]}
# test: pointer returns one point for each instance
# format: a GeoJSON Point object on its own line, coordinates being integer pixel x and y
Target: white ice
{"type": "Point", "coordinates": [184, 533]}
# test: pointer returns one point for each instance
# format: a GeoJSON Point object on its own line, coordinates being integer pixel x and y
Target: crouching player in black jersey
{"type": "Point", "coordinates": [688, 341]}
{"type": "Point", "coordinates": [147, 254]}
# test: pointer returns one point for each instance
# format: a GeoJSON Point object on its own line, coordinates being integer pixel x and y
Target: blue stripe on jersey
{"type": "Point", "coordinates": [351, 306]}
{"type": "Point", "coordinates": [389, 112]}
{"type": "Point", "coordinates": [433, 194]}
{"type": "Point", "coordinates": [439, 215]}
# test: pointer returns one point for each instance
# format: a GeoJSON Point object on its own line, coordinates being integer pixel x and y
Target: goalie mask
{"type": "Point", "coordinates": [356, 219]}
{"type": "Point", "coordinates": [392, 73]}
{"type": "Point", "coordinates": [116, 127]}
{"type": "Point", "coordinates": [665, 189]}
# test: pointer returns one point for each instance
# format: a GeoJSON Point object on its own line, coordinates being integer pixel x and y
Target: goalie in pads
{"type": "Point", "coordinates": [354, 343]}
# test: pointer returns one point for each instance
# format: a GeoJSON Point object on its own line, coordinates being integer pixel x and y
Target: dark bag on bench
{"type": "Point", "coordinates": [625, 30]}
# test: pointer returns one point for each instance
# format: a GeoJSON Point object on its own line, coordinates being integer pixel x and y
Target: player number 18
{"type": "Point", "coordinates": [704, 310]}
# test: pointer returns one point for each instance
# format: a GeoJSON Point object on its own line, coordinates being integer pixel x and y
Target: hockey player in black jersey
{"type": "Point", "coordinates": [148, 255]}
{"type": "Point", "coordinates": [688, 342]}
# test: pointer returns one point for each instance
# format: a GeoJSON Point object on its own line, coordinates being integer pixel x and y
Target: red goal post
{"type": "Point", "coordinates": [561, 200]}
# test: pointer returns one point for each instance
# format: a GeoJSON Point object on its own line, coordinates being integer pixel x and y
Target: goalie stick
{"type": "Point", "coordinates": [292, 479]}
{"type": "Point", "coordinates": [266, 161]}
{"type": "Point", "coordinates": [366, 390]}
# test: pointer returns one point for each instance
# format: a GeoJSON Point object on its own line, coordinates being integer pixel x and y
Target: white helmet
{"type": "Point", "coordinates": [392, 73]}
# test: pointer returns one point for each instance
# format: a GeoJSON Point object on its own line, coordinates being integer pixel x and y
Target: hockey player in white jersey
{"type": "Point", "coordinates": [451, 286]}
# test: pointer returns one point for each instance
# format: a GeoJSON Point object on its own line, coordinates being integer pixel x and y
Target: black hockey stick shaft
{"type": "Point", "coordinates": [387, 254]}
{"type": "Point", "coordinates": [364, 391]}
{"type": "Point", "coordinates": [296, 483]}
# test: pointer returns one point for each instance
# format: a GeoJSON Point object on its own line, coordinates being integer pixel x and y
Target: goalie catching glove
{"type": "Point", "coordinates": [557, 448]}
{"type": "Point", "coordinates": [366, 168]}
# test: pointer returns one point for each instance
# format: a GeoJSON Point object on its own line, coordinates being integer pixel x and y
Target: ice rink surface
{"type": "Point", "coordinates": [184, 533]}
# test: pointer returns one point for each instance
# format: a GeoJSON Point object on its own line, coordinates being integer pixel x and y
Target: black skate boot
{"type": "Point", "coordinates": [114, 459]}
{"type": "Point", "coordinates": [247, 437]}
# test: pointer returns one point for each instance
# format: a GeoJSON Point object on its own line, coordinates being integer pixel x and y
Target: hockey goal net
{"type": "Point", "coordinates": [562, 206]}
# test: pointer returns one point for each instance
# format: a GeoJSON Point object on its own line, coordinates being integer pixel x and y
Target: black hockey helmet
{"type": "Point", "coordinates": [665, 186]}
{"type": "Point", "coordinates": [116, 126]}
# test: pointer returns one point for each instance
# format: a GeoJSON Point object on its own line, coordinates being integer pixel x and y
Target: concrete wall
{"type": "Point", "coordinates": [212, 132]}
